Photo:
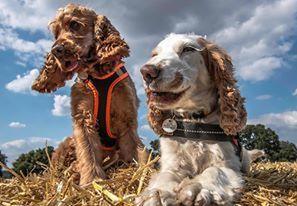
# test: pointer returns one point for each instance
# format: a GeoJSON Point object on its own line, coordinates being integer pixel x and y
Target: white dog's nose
{"type": "Point", "coordinates": [149, 72]}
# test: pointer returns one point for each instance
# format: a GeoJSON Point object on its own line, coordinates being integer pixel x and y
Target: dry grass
{"type": "Point", "coordinates": [271, 184]}
{"type": "Point", "coordinates": [267, 184]}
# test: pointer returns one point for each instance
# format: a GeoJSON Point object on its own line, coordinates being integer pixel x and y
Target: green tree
{"type": "Point", "coordinates": [288, 152]}
{"type": "Point", "coordinates": [260, 137]}
{"type": "Point", "coordinates": [28, 162]}
{"type": "Point", "coordinates": [155, 145]}
{"type": "Point", "coordinates": [3, 159]}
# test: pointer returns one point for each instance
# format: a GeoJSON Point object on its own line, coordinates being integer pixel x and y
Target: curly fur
{"type": "Point", "coordinates": [66, 154]}
{"type": "Point", "coordinates": [96, 47]}
{"type": "Point", "coordinates": [51, 76]}
{"type": "Point", "coordinates": [233, 114]}
{"type": "Point", "coordinates": [110, 46]}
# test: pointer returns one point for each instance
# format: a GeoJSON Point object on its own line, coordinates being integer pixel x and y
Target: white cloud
{"type": "Point", "coordinates": [15, 143]}
{"type": "Point", "coordinates": [27, 14]}
{"type": "Point", "coordinates": [258, 43]}
{"type": "Point", "coordinates": [22, 84]}
{"type": "Point", "coordinates": [61, 105]}
{"type": "Point", "coordinates": [27, 51]}
{"type": "Point", "coordinates": [186, 24]}
{"type": "Point", "coordinates": [264, 97]}
{"type": "Point", "coordinates": [285, 123]}
{"type": "Point", "coordinates": [20, 63]}
{"type": "Point", "coordinates": [261, 69]}
{"type": "Point", "coordinates": [17, 125]}
{"type": "Point", "coordinates": [145, 127]}
{"type": "Point", "coordinates": [295, 93]}
{"type": "Point", "coordinates": [288, 119]}
{"type": "Point", "coordinates": [11, 40]}
{"type": "Point", "coordinates": [12, 149]}
{"type": "Point", "coordinates": [137, 79]}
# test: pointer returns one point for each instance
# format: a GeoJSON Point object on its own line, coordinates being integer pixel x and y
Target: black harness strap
{"type": "Point", "coordinates": [104, 87]}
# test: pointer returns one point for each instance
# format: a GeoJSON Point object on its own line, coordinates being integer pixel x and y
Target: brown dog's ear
{"type": "Point", "coordinates": [51, 77]}
{"type": "Point", "coordinates": [109, 44]}
{"type": "Point", "coordinates": [233, 114]}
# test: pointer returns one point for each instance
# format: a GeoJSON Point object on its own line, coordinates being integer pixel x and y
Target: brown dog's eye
{"type": "Point", "coordinates": [74, 25]}
{"type": "Point", "coordinates": [188, 49]}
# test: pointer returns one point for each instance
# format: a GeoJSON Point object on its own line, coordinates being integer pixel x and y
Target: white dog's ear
{"type": "Point", "coordinates": [233, 114]}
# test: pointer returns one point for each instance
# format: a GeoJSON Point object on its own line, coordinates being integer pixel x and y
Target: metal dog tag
{"type": "Point", "coordinates": [83, 76]}
{"type": "Point", "coordinates": [169, 125]}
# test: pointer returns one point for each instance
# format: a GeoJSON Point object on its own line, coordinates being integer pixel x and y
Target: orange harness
{"type": "Point", "coordinates": [102, 91]}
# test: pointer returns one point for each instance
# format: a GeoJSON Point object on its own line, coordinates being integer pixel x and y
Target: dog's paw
{"type": "Point", "coordinates": [192, 193]}
{"type": "Point", "coordinates": [187, 191]}
{"type": "Point", "coordinates": [208, 197]}
{"type": "Point", "coordinates": [156, 198]}
{"type": "Point", "coordinates": [204, 198]}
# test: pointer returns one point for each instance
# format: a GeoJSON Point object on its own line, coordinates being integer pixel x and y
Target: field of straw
{"type": "Point", "coordinates": [267, 184]}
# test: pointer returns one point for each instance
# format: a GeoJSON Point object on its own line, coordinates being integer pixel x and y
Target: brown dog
{"type": "Point", "coordinates": [88, 44]}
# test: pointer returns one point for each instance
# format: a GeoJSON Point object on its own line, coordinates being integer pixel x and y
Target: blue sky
{"type": "Point", "coordinates": [259, 35]}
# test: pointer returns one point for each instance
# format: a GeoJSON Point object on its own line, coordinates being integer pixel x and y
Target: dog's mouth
{"type": "Point", "coordinates": [166, 97]}
{"type": "Point", "coordinates": [71, 65]}
{"type": "Point", "coordinates": [74, 60]}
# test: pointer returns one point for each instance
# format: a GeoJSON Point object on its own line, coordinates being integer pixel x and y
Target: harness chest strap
{"type": "Point", "coordinates": [102, 93]}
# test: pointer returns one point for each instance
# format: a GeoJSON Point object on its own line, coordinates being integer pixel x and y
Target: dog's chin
{"type": "Point", "coordinates": [165, 100]}
{"type": "Point", "coordinates": [68, 65]}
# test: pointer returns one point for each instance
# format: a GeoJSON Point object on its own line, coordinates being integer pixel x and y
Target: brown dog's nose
{"type": "Point", "coordinates": [58, 50]}
{"type": "Point", "coordinates": [149, 72]}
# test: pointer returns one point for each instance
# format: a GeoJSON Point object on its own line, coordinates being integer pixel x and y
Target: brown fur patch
{"type": "Point", "coordinates": [233, 114]}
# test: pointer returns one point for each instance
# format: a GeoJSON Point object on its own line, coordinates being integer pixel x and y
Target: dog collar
{"type": "Point", "coordinates": [193, 130]}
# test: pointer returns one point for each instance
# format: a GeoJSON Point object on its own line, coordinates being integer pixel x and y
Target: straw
{"type": "Point", "coordinates": [266, 184]}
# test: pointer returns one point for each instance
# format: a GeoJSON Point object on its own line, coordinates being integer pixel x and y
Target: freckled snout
{"type": "Point", "coordinates": [149, 73]}
{"type": "Point", "coordinates": [58, 50]}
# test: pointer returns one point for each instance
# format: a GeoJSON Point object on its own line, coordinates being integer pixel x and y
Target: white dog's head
{"type": "Point", "coordinates": [187, 73]}
{"type": "Point", "coordinates": [175, 72]}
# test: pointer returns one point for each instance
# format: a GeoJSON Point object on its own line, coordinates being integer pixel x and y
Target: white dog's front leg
{"type": "Point", "coordinates": [215, 186]}
{"type": "Point", "coordinates": [160, 191]}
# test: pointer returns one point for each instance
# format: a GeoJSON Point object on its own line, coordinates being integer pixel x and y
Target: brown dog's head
{"type": "Point", "coordinates": [82, 39]}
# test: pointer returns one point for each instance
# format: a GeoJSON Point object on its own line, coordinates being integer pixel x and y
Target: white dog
{"type": "Point", "coordinates": [196, 107]}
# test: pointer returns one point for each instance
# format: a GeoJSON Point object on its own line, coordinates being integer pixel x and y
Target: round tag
{"type": "Point", "coordinates": [83, 75]}
{"type": "Point", "coordinates": [169, 125]}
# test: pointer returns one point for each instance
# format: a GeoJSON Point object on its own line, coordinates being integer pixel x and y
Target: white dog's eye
{"type": "Point", "coordinates": [188, 49]}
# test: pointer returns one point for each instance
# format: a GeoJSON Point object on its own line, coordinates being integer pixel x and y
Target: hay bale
{"type": "Point", "coordinates": [267, 184]}
{"type": "Point", "coordinates": [271, 184]}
